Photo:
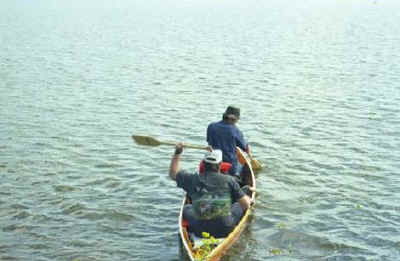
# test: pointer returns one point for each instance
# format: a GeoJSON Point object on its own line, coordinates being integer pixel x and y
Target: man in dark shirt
{"type": "Point", "coordinates": [225, 136]}
{"type": "Point", "coordinates": [218, 202]}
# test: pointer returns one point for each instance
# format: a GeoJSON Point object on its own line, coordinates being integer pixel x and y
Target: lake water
{"type": "Point", "coordinates": [317, 82]}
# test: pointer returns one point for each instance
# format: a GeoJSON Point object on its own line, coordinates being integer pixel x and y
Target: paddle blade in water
{"type": "Point", "coordinates": [146, 140]}
{"type": "Point", "coordinates": [255, 164]}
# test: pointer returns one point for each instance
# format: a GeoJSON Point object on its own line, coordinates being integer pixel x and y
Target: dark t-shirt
{"type": "Point", "coordinates": [225, 136]}
{"type": "Point", "coordinates": [218, 190]}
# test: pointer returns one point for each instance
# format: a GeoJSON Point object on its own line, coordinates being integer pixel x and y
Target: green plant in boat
{"type": "Point", "coordinates": [209, 243]}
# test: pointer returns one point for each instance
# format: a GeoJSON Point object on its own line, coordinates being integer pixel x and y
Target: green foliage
{"type": "Point", "coordinates": [279, 252]}
{"type": "Point", "coordinates": [209, 243]}
{"type": "Point", "coordinates": [275, 251]}
{"type": "Point", "coordinates": [281, 225]}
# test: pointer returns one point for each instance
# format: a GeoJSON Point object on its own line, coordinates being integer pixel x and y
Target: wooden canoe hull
{"type": "Point", "coordinates": [223, 247]}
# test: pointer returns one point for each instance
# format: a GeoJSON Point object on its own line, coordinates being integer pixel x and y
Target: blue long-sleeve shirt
{"type": "Point", "coordinates": [225, 136]}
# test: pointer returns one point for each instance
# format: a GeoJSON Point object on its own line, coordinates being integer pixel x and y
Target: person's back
{"type": "Point", "coordinates": [224, 135]}
{"type": "Point", "coordinates": [212, 205]}
{"type": "Point", "coordinates": [213, 198]}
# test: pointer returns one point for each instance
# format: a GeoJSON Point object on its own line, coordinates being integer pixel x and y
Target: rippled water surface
{"type": "Point", "coordinates": [317, 83]}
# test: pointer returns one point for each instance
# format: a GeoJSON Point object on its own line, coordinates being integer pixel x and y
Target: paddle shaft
{"type": "Point", "coordinates": [189, 146]}
{"type": "Point", "coordinates": [150, 141]}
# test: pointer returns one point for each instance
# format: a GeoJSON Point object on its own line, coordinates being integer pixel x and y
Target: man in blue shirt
{"type": "Point", "coordinates": [225, 136]}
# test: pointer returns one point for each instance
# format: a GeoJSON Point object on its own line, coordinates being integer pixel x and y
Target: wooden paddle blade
{"type": "Point", "coordinates": [146, 140]}
{"type": "Point", "coordinates": [255, 164]}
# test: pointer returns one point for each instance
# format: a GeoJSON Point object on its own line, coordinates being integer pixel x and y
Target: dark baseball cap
{"type": "Point", "coordinates": [232, 112]}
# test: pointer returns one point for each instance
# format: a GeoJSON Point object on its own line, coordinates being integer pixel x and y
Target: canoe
{"type": "Point", "coordinates": [224, 244]}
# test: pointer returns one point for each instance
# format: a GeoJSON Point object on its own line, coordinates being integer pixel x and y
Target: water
{"type": "Point", "coordinates": [317, 83]}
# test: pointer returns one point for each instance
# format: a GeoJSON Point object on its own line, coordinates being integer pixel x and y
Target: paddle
{"type": "Point", "coordinates": [150, 141]}
{"type": "Point", "coordinates": [255, 164]}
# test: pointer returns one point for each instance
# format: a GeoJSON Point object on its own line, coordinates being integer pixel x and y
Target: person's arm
{"type": "Point", "coordinates": [174, 167]}
{"type": "Point", "coordinates": [240, 140]}
{"type": "Point", "coordinates": [245, 202]}
{"type": "Point", "coordinates": [248, 151]}
{"type": "Point", "coordinates": [239, 195]}
{"type": "Point", "coordinates": [208, 135]}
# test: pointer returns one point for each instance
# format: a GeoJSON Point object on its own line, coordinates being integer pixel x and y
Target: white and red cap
{"type": "Point", "coordinates": [213, 157]}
